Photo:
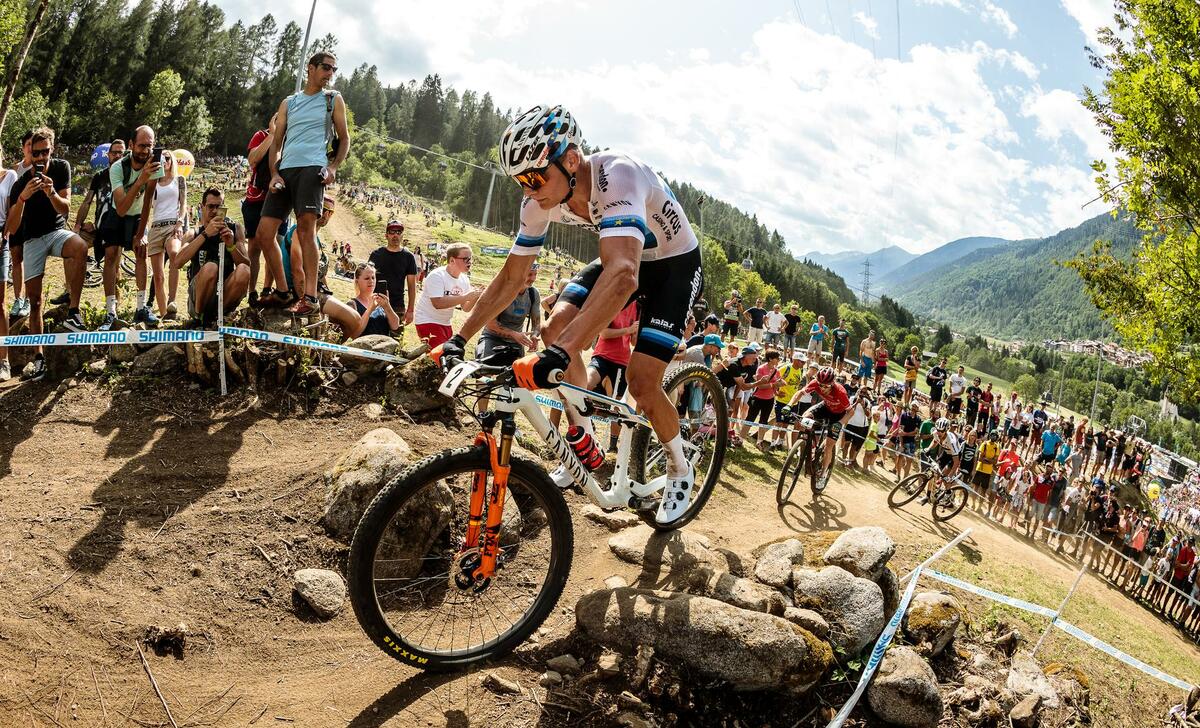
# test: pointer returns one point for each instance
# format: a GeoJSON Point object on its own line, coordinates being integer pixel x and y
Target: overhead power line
{"type": "Point", "coordinates": [385, 137]}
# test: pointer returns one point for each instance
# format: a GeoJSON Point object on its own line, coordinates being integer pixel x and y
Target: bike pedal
{"type": "Point", "coordinates": [643, 504]}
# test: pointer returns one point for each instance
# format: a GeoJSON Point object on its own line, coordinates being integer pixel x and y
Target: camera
{"type": "Point", "coordinates": [157, 155]}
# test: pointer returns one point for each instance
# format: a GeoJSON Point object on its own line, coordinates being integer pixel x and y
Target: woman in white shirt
{"type": "Point", "coordinates": [164, 236]}
{"type": "Point", "coordinates": [854, 432]}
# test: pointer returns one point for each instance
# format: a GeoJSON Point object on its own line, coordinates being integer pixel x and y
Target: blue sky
{"type": "Point", "coordinates": [801, 111]}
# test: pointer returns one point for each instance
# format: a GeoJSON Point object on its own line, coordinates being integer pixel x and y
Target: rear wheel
{"type": "Point", "coordinates": [129, 262]}
{"type": "Point", "coordinates": [793, 467]}
{"type": "Point", "coordinates": [949, 502]}
{"type": "Point", "coordinates": [410, 567]}
{"type": "Point", "coordinates": [699, 399]}
{"type": "Point", "coordinates": [907, 490]}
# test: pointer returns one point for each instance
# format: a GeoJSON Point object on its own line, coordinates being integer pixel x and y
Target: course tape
{"type": "Point", "coordinates": [1063, 625]}
{"type": "Point", "coordinates": [309, 343]}
{"type": "Point", "coordinates": [1111, 651]}
{"type": "Point", "coordinates": [111, 338]}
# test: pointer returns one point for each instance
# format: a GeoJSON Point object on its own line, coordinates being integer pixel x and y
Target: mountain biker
{"type": "Point", "coordinates": [833, 409]}
{"type": "Point", "coordinates": [945, 450]}
{"type": "Point", "coordinates": [648, 252]}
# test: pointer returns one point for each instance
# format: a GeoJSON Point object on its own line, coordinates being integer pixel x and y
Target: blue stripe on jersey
{"type": "Point", "coordinates": [574, 289]}
{"type": "Point", "coordinates": [620, 221]}
{"type": "Point", "coordinates": [661, 338]}
{"type": "Point", "coordinates": [526, 241]}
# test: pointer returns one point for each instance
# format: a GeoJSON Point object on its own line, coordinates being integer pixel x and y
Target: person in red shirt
{"type": "Point", "coordinates": [610, 356]}
{"type": "Point", "coordinates": [1041, 496]}
{"type": "Point", "coordinates": [986, 401]}
{"type": "Point", "coordinates": [1184, 561]}
{"type": "Point", "coordinates": [252, 205]}
{"type": "Point", "coordinates": [833, 409]}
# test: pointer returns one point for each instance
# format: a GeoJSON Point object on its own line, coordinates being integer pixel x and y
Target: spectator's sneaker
{"type": "Point", "coordinates": [172, 311]}
{"type": "Point", "coordinates": [107, 324]}
{"type": "Point", "coordinates": [36, 371]}
{"type": "Point", "coordinates": [307, 306]}
{"type": "Point", "coordinates": [5, 370]}
{"type": "Point", "coordinates": [61, 300]}
{"type": "Point", "coordinates": [145, 316]}
{"type": "Point", "coordinates": [324, 289]}
{"type": "Point", "coordinates": [561, 477]}
{"type": "Point", "coordinates": [676, 496]}
{"type": "Point", "coordinates": [20, 309]}
{"type": "Point", "coordinates": [74, 322]}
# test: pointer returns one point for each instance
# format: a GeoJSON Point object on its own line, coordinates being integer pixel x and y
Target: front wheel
{"type": "Point", "coordinates": [793, 466]}
{"type": "Point", "coordinates": [699, 400]}
{"type": "Point", "coordinates": [907, 490]}
{"type": "Point", "coordinates": [410, 567]}
{"type": "Point", "coordinates": [949, 502]}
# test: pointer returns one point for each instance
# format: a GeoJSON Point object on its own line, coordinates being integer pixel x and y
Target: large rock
{"type": "Point", "coordinates": [863, 551]}
{"type": "Point", "coordinates": [1026, 678]}
{"type": "Point", "coordinates": [778, 560]}
{"type": "Point", "coordinates": [1025, 713]}
{"type": "Point", "coordinates": [412, 388]}
{"type": "Point", "coordinates": [62, 361]}
{"type": "Point", "coordinates": [889, 584]}
{"type": "Point", "coordinates": [377, 343]}
{"type": "Point", "coordinates": [904, 690]}
{"type": "Point", "coordinates": [357, 477]}
{"type": "Point", "coordinates": [158, 361]}
{"type": "Point", "coordinates": [673, 554]}
{"type": "Point", "coordinates": [749, 650]}
{"type": "Point", "coordinates": [323, 589]}
{"type": "Point", "coordinates": [931, 621]}
{"type": "Point", "coordinates": [853, 606]}
{"type": "Point", "coordinates": [809, 620]}
{"type": "Point", "coordinates": [735, 590]}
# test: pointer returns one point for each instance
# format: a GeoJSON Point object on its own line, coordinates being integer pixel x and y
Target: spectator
{"type": "Point", "coordinates": [791, 379]}
{"type": "Point", "coordinates": [256, 194]}
{"type": "Point", "coordinates": [300, 171]}
{"type": "Point", "coordinates": [775, 321]}
{"type": "Point", "coordinates": [866, 357]}
{"type": "Point", "coordinates": [816, 339]}
{"type": "Point", "coordinates": [610, 357]}
{"type": "Point", "coordinates": [936, 379]}
{"type": "Point", "coordinates": [912, 366]}
{"type": "Point", "coordinates": [841, 340]}
{"type": "Point", "coordinates": [215, 235]}
{"type": "Point", "coordinates": [39, 202]}
{"type": "Point", "coordinates": [445, 288]}
{"type": "Point", "coordinates": [712, 325]}
{"type": "Point", "coordinates": [8, 177]}
{"type": "Point", "coordinates": [292, 255]}
{"type": "Point", "coordinates": [987, 408]}
{"type": "Point", "coordinates": [100, 191]}
{"type": "Point", "coordinates": [1185, 559]}
{"type": "Point", "coordinates": [737, 375]}
{"type": "Point", "coordinates": [854, 434]}
{"type": "Point", "coordinates": [170, 213]}
{"type": "Point", "coordinates": [985, 467]}
{"type": "Point", "coordinates": [124, 226]}
{"type": "Point", "coordinates": [369, 313]}
{"type": "Point", "coordinates": [699, 308]}
{"type": "Point", "coordinates": [732, 310]}
{"type": "Point", "coordinates": [395, 265]}
{"type": "Point", "coordinates": [16, 243]}
{"type": "Point", "coordinates": [762, 401]}
{"type": "Point", "coordinates": [958, 385]}
{"type": "Point", "coordinates": [756, 317]}
{"type": "Point", "coordinates": [967, 462]}
{"type": "Point", "coordinates": [790, 329]}
{"type": "Point", "coordinates": [515, 330]}
{"type": "Point", "coordinates": [881, 364]}
{"type": "Point", "coordinates": [910, 424]}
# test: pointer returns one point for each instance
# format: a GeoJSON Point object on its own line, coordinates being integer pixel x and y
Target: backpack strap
{"type": "Point", "coordinates": [329, 96]}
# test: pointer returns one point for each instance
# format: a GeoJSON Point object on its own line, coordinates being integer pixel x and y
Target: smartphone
{"type": "Point", "coordinates": [158, 154]}
{"type": "Point", "coordinates": [222, 213]}
{"type": "Point", "coordinates": [39, 168]}
{"type": "Point", "coordinates": [381, 287]}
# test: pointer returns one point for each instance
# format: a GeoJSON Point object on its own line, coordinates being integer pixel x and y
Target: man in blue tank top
{"type": "Point", "coordinates": [301, 167]}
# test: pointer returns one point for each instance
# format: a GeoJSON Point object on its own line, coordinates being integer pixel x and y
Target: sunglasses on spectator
{"type": "Point", "coordinates": [40, 152]}
{"type": "Point", "coordinates": [466, 259]}
{"type": "Point", "coordinates": [327, 67]}
{"type": "Point", "coordinates": [534, 179]}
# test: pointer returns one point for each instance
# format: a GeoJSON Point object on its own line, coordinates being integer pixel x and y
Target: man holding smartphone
{"type": "Point", "coordinates": [396, 267]}
{"type": "Point", "coordinates": [216, 235]}
{"type": "Point", "coordinates": [39, 203]}
{"type": "Point", "coordinates": [124, 226]}
{"type": "Point", "coordinates": [301, 169]}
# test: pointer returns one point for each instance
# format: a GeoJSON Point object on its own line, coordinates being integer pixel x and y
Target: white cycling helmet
{"type": "Point", "coordinates": [942, 424]}
{"type": "Point", "coordinates": [537, 138]}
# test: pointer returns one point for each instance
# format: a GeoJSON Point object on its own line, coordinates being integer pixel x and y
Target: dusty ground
{"type": "Point", "coordinates": [135, 505]}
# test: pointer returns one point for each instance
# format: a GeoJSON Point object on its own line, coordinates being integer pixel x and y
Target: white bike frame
{"type": "Point", "coordinates": [516, 399]}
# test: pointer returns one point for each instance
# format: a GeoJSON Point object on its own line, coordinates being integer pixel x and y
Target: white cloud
{"type": "Point", "coordinates": [945, 3]}
{"type": "Point", "coordinates": [869, 25]}
{"type": "Point", "coordinates": [1059, 114]}
{"type": "Point", "coordinates": [993, 13]}
{"type": "Point", "coordinates": [1091, 16]}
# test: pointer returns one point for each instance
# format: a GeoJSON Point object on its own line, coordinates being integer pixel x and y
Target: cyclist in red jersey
{"type": "Point", "coordinates": [833, 409]}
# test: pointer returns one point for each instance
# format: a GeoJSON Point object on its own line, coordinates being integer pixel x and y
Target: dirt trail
{"type": "Point", "coordinates": [157, 510]}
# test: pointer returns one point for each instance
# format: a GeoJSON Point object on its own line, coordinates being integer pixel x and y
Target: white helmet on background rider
{"type": "Point", "coordinates": [942, 424]}
{"type": "Point", "coordinates": [537, 138]}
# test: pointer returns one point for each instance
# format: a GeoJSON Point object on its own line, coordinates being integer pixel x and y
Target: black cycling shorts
{"type": "Point", "coordinates": [303, 194]}
{"type": "Point", "coordinates": [666, 290]}
{"type": "Point", "coordinates": [822, 413]}
{"type": "Point", "coordinates": [611, 372]}
{"type": "Point", "coordinates": [498, 351]}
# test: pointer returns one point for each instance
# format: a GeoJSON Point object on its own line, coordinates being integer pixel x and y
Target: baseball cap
{"type": "Point", "coordinates": [747, 350]}
{"type": "Point", "coordinates": [797, 356]}
{"type": "Point", "coordinates": [328, 203]}
{"type": "Point", "coordinates": [712, 319]}
{"type": "Point", "coordinates": [713, 340]}
{"type": "Point", "coordinates": [394, 224]}
{"type": "Point", "coordinates": [755, 345]}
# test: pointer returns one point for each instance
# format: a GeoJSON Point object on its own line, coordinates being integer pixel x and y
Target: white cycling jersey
{"type": "Point", "coordinates": [628, 199]}
{"type": "Point", "coordinates": [950, 444]}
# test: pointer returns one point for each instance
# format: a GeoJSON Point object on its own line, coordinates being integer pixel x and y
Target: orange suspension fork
{"type": "Point", "coordinates": [499, 456]}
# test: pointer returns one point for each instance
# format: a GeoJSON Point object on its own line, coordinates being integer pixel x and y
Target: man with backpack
{"type": "Point", "coordinates": [301, 167]}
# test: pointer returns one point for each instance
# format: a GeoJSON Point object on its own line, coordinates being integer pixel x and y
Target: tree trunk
{"type": "Point", "coordinates": [15, 74]}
